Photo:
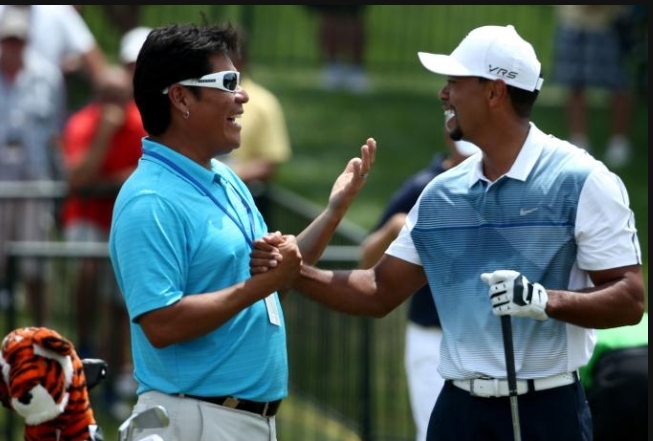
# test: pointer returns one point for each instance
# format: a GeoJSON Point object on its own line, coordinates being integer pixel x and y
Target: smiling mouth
{"type": "Point", "coordinates": [448, 116]}
{"type": "Point", "coordinates": [234, 120]}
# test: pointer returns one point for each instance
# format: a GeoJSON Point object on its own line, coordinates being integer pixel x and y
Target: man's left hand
{"type": "Point", "coordinates": [512, 294]}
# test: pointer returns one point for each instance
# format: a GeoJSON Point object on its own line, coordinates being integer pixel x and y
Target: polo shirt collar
{"type": "Point", "coordinates": [521, 168]}
{"type": "Point", "coordinates": [204, 176]}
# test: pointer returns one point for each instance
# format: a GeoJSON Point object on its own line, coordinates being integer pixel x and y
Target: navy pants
{"type": "Point", "coordinates": [560, 414]}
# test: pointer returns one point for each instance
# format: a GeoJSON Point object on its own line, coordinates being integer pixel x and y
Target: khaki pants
{"type": "Point", "coordinates": [193, 420]}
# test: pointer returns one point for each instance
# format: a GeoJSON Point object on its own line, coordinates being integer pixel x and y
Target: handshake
{"type": "Point", "coordinates": [512, 294]}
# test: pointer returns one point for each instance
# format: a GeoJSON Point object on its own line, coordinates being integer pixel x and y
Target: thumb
{"type": "Point", "coordinates": [485, 277]}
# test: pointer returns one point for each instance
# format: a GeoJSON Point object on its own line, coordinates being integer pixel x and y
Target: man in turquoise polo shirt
{"type": "Point", "coordinates": [208, 340]}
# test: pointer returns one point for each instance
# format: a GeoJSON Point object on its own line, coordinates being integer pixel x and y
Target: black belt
{"type": "Point", "coordinates": [268, 409]}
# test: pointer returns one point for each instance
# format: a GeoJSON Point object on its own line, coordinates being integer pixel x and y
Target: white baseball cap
{"type": "Point", "coordinates": [15, 22]}
{"type": "Point", "coordinates": [131, 43]}
{"type": "Point", "coordinates": [493, 52]}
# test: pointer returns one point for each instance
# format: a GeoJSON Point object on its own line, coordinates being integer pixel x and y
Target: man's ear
{"type": "Point", "coordinates": [497, 89]}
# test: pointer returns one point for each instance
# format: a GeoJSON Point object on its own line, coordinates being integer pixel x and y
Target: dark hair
{"type": "Point", "coordinates": [173, 53]}
{"type": "Point", "coordinates": [522, 100]}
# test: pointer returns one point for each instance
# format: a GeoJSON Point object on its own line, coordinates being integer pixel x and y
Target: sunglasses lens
{"type": "Point", "coordinates": [230, 81]}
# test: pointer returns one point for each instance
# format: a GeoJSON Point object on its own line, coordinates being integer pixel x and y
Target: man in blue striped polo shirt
{"type": "Point", "coordinates": [535, 229]}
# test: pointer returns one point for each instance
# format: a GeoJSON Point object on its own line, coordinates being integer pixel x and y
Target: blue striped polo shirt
{"type": "Point", "coordinates": [555, 215]}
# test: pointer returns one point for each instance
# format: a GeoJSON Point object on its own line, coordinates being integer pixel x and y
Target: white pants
{"type": "Point", "coordinates": [421, 360]}
{"type": "Point", "coordinates": [193, 420]}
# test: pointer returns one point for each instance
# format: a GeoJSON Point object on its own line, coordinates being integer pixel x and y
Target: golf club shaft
{"type": "Point", "coordinates": [506, 330]}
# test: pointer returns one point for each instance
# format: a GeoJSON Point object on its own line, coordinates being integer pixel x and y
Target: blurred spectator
{"type": "Point", "coordinates": [31, 116]}
{"type": "Point", "coordinates": [102, 146]}
{"type": "Point", "coordinates": [591, 42]}
{"type": "Point", "coordinates": [423, 331]}
{"type": "Point", "coordinates": [59, 33]}
{"type": "Point", "coordinates": [342, 39]}
{"type": "Point", "coordinates": [616, 382]}
{"type": "Point", "coordinates": [632, 28]}
{"type": "Point", "coordinates": [265, 142]}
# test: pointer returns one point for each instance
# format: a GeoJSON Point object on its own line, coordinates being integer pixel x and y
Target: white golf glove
{"type": "Point", "coordinates": [512, 294]}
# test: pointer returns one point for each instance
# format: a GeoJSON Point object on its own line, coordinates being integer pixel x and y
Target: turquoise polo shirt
{"type": "Point", "coordinates": [179, 229]}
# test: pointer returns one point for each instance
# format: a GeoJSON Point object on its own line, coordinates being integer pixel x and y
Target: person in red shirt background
{"type": "Point", "coordinates": [101, 147]}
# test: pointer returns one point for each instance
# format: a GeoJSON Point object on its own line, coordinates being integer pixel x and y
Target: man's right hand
{"type": "Point", "coordinates": [265, 254]}
{"type": "Point", "coordinates": [277, 255]}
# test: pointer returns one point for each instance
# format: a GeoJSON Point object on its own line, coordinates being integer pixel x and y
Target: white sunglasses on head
{"type": "Point", "coordinates": [227, 80]}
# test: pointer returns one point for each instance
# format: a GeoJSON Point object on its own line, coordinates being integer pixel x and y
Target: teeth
{"type": "Point", "coordinates": [448, 114]}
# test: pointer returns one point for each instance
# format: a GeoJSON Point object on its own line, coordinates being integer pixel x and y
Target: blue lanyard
{"type": "Point", "coordinates": [203, 189]}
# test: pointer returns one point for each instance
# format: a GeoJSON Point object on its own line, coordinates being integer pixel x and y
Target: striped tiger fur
{"type": "Point", "coordinates": [43, 381]}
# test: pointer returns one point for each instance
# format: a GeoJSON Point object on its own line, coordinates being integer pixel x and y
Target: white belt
{"type": "Point", "coordinates": [494, 387]}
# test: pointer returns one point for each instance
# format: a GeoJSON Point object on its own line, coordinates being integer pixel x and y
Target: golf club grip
{"type": "Point", "coordinates": [506, 330]}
